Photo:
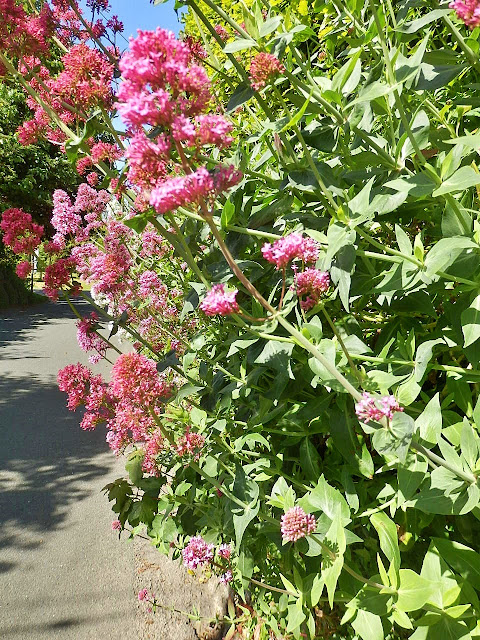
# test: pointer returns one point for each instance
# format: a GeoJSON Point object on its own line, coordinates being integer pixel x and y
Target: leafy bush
{"type": "Point", "coordinates": [304, 384]}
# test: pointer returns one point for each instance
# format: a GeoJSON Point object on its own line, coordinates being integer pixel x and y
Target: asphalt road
{"type": "Point", "coordinates": [63, 572]}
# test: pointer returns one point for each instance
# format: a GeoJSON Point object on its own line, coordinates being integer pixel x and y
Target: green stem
{"type": "Point", "coordinates": [299, 337]}
{"type": "Point", "coordinates": [466, 477]}
{"type": "Point", "coordinates": [353, 368]}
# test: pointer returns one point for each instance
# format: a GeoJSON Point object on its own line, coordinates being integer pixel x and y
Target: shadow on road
{"type": "Point", "coordinates": [46, 460]}
{"type": "Point", "coordinates": [16, 324]}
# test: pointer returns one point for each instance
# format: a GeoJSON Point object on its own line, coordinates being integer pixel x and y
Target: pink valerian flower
{"type": "Point", "coordinates": [220, 302]}
{"type": "Point", "coordinates": [221, 32]}
{"type": "Point", "coordinates": [202, 130]}
{"type": "Point", "coordinates": [224, 551]}
{"type": "Point", "coordinates": [195, 46]}
{"type": "Point", "coordinates": [93, 179]}
{"type": "Point", "coordinates": [86, 79]}
{"type": "Point", "coordinates": [291, 247]}
{"type": "Point", "coordinates": [297, 524]}
{"type": "Point", "coordinates": [57, 275]}
{"type": "Point", "coordinates": [135, 378]}
{"type": "Point", "coordinates": [144, 594]}
{"type": "Point", "coordinates": [89, 340]}
{"type": "Point", "coordinates": [22, 33]}
{"type": "Point", "coordinates": [226, 577]}
{"type": "Point", "coordinates": [311, 283]}
{"type": "Point", "coordinates": [197, 552]}
{"type": "Point", "coordinates": [20, 233]}
{"type": "Point", "coordinates": [64, 218]}
{"type": "Point", "coordinates": [160, 81]}
{"type": "Point", "coordinates": [75, 379]}
{"type": "Point", "coordinates": [369, 408]}
{"type": "Point", "coordinates": [190, 444]}
{"type": "Point", "coordinates": [182, 190]}
{"type": "Point", "coordinates": [468, 11]}
{"type": "Point", "coordinates": [263, 69]}
{"type": "Point", "coordinates": [153, 446]}
{"type": "Point", "coordinates": [115, 25]}
{"type": "Point", "coordinates": [23, 269]}
{"type": "Point", "coordinates": [147, 159]}
{"type": "Point", "coordinates": [116, 525]}
{"type": "Point", "coordinates": [104, 151]}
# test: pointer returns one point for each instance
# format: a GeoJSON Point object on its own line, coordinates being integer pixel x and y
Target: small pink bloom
{"type": "Point", "coordinates": [311, 283]}
{"type": "Point", "coordinates": [219, 302]}
{"type": "Point", "coordinates": [23, 269]}
{"type": "Point", "coordinates": [368, 408]}
{"type": "Point", "coordinates": [224, 551]}
{"type": "Point", "coordinates": [297, 524]}
{"type": "Point", "coordinates": [263, 69]}
{"type": "Point", "coordinates": [116, 525]}
{"type": "Point", "coordinates": [291, 247]}
{"type": "Point", "coordinates": [144, 594]}
{"type": "Point", "coordinates": [197, 552]}
{"type": "Point", "coordinates": [226, 577]}
{"type": "Point", "coordinates": [468, 11]}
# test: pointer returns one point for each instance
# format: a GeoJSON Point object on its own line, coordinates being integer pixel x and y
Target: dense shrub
{"type": "Point", "coordinates": [293, 251]}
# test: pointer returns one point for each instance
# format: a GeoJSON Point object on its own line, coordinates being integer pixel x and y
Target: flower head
{"type": "Point", "coordinates": [224, 551]}
{"type": "Point", "coordinates": [23, 269]}
{"type": "Point", "coordinates": [116, 525]}
{"type": "Point", "coordinates": [297, 524]}
{"type": "Point", "coordinates": [368, 408]}
{"type": "Point", "coordinates": [468, 11]}
{"type": "Point", "coordinates": [263, 69]}
{"type": "Point", "coordinates": [197, 552]}
{"type": "Point", "coordinates": [219, 302]}
{"type": "Point", "coordinates": [311, 283]}
{"type": "Point", "coordinates": [291, 247]}
{"type": "Point", "coordinates": [226, 577]}
{"type": "Point", "coordinates": [135, 378]}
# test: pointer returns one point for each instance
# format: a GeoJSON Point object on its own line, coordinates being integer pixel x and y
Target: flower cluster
{"type": "Point", "coordinates": [369, 408]}
{"type": "Point", "coordinates": [313, 284]}
{"type": "Point", "coordinates": [22, 33]}
{"type": "Point", "coordinates": [219, 302]}
{"type": "Point", "coordinates": [297, 524]}
{"type": "Point", "coordinates": [289, 248]}
{"type": "Point", "coordinates": [162, 87]}
{"type": "Point", "coordinates": [468, 11]}
{"type": "Point", "coordinates": [197, 552]}
{"type": "Point", "coordinates": [135, 378]}
{"type": "Point", "coordinates": [190, 444]}
{"type": "Point", "coordinates": [263, 69]}
{"type": "Point", "coordinates": [20, 233]}
{"type": "Point", "coordinates": [89, 340]}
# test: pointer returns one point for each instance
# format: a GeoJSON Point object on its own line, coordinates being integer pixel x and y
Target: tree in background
{"type": "Point", "coordinates": [28, 177]}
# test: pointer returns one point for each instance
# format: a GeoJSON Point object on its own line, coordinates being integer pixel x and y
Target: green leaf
{"type": "Point", "coordinates": [295, 615]}
{"type": "Point", "coordinates": [269, 25]}
{"type": "Point", "coordinates": [429, 422]}
{"type": "Point", "coordinates": [299, 115]}
{"type": "Point", "coordinates": [277, 356]}
{"type": "Point", "coordinates": [242, 94]}
{"type": "Point", "coordinates": [239, 45]}
{"type": "Point", "coordinates": [462, 179]}
{"type": "Point", "coordinates": [228, 213]}
{"type": "Point", "coordinates": [395, 442]}
{"type": "Point", "coordinates": [416, 25]}
{"type": "Point", "coordinates": [335, 540]}
{"type": "Point", "coordinates": [387, 533]}
{"type": "Point", "coordinates": [134, 466]}
{"type": "Point", "coordinates": [368, 626]}
{"type": "Point", "coordinates": [327, 499]}
{"type": "Point", "coordinates": [470, 319]}
{"type": "Point", "coordinates": [310, 459]}
{"type": "Point", "coordinates": [414, 591]}
{"type": "Point", "coordinates": [445, 252]}
{"type": "Point", "coordinates": [462, 559]}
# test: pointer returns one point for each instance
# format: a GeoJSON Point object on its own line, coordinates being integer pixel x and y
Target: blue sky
{"type": "Point", "coordinates": [140, 14]}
